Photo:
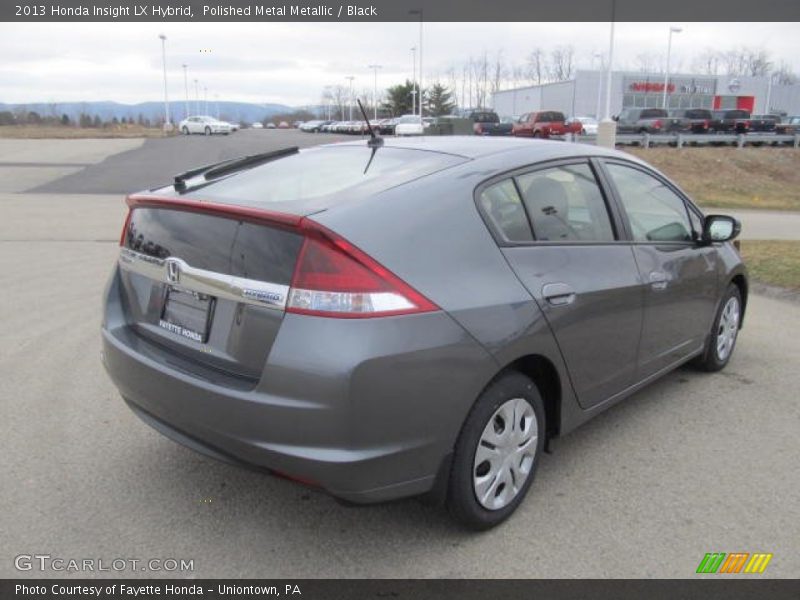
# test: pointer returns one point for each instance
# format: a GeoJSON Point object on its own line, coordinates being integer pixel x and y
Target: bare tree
{"type": "Point", "coordinates": [562, 64]}
{"type": "Point", "coordinates": [784, 74]}
{"type": "Point", "coordinates": [707, 62]}
{"type": "Point", "coordinates": [647, 62]}
{"type": "Point", "coordinates": [537, 66]}
{"type": "Point", "coordinates": [499, 72]}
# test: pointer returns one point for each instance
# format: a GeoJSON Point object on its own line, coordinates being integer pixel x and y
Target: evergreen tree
{"type": "Point", "coordinates": [438, 100]}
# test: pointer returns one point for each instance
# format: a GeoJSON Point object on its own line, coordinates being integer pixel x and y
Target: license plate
{"type": "Point", "coordinates": [187, 314]}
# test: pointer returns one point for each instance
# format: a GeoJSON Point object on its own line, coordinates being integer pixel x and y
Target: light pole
{"type": "Point", "coordinates": [350, 97]}
{"type": "Point", "coordinates": [413, 79]}
{"type": "Point", "coordinates": [163, 39]}
{"type": "Point", "coordinates": [186, 89]}
{"type": "Point", "coordinates": [375, 88]}
{"type": "Point", "coordinates": [607, 129]}
{"type": "Point", "coordinates": [769, 93]}
{"type": "Point", "coordinates": [196, 98]}
{"type": "Point", "coordinates": [216, 101]}
{"type": "Point", "coordinates": [419, 12]}
{"type": "Point", "coordinates": [599, 83]}
{"type": "Point", "coordinates": [205, 99]}
{"type": "Point", "coordinates": [669, 51]}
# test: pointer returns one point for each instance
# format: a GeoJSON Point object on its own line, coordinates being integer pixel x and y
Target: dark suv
{"type": "Point", "coordinates": [650, 120]}
{"type": "Point", "coordinates": [699, 118]}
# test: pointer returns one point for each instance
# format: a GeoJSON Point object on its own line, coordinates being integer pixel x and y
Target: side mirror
{"type": "Point", "coordinates": [720, 228]}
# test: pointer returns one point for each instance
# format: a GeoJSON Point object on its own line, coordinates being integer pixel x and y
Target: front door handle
{"type": "Point", "coordinates": [558, 294]}
{"type": "Point", "coordinates": [658, 280]}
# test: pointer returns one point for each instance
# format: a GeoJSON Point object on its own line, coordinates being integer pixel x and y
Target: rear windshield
{"type": "Point", "coordinates": [485, 117]}
{"type": "Point", "coordinates": [737, 114]}
{"type": "Point", "coordinates": [698, 114]}
{"type": "Point", "coordinates": [317, 173]}
{"type": "Point", "coordinates": [653, 113]}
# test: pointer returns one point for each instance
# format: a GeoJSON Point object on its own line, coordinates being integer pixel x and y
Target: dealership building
{"type": "Point", "coordinates": [585, 94]}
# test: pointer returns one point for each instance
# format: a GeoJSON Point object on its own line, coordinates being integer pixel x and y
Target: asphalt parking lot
{"type": "Point", "coordinates": [693, 464]}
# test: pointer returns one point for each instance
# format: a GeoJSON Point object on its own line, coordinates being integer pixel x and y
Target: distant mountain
{"type": "Point", "coordinates": [234, 111]}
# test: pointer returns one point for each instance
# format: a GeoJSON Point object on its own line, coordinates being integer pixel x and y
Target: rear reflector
{"type": "Point", "coordinates": [333, 278]}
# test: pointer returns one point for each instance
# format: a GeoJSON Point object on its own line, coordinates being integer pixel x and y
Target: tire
{"type": "Point", "coordinates": [208, 131]}
{"type": "Point", "coordinates": [537, 134]}
{"type": "Point", "coordinates": [726, 323]}
{"type": "Point", "coordinates": [510, 394]}
{"type": "Point", "coordinates": [185, 130]}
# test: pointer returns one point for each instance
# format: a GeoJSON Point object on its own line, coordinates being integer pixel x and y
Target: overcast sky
{"type": "Point", "coordinates": [291, 62]}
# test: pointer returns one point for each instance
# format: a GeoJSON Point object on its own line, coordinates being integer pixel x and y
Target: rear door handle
{"type": "Point", "coordinates": [658, 280]}
{"type": "Point", "coordinates": [558, 294]}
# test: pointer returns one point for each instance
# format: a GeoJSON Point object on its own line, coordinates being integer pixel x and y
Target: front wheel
{"type": "Point", "coordinates": [208, 131]}
{"type": "Point", "coordinates": [185, 130]}
{"type": "Point", "coordinates": [497, 452]}
{"type": "Point", "coordinates": [723, 336]}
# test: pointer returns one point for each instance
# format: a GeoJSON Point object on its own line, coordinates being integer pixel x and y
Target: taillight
{"type": "Point", "coordinates": [333, 278]}
{"type": "Point", "coordinates": [746, 124]}
{"type": "Point", "coordinates": [125, 227]}
{"type": "Point", "coordinates": [657, 124]}
{"type": "Point", "coordinates": [705, 124]}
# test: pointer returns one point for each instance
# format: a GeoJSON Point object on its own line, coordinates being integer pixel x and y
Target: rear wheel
{"type": "Point", "coordinates": [724, 332]}
{"type": "Point", "coordinates": [497, 452]}
{"type": "Point", "coordinates": [536, 134]}
{"type": "Point", "coordinates": [185, 130]}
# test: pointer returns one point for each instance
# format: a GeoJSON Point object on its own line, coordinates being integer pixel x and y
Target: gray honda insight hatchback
{"type": "Point", "coordinates": [413, 317]}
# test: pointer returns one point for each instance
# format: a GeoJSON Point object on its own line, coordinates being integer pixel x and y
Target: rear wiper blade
{"type": "Point", "coordinates": [229, 166]}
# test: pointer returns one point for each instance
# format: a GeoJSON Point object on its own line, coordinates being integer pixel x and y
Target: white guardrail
{"type": "Point", "coordinates": [645, 140]}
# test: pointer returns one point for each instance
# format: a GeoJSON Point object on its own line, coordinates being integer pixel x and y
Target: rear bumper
{"type": "Point", "coordinates": [367, 410]}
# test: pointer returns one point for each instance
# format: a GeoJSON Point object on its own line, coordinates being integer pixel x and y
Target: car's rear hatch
{"type": "Point", "coordinates": [205, 272]}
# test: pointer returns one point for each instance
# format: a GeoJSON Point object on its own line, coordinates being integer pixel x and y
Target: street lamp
{"type": "Point", "coordinates": [669, 50]}
{"type": "Point", "coordinates": [419, 12]}
{"type": "Point", "coordinates": [350, 97]}
{"type": "Point", "coordinates": [413, 79]}
{"type": "Point", "coordinates": [163, 39]}
{"type": "Point", "coordinates": [186, 90]}
{"type": "Point", "coordinates": [196, 98]}
{"type": "Point", "coordinates": [205, 99]}
{"type": "Point", "coordinates": [607, 129]}
{"type": "Point", "coordinates": [599, 83]}
{"type": "Point", "coordinates": [375, 88]}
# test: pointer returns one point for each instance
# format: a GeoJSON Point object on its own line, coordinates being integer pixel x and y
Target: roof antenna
{"type": "Point", "coordinates": [375, 141]}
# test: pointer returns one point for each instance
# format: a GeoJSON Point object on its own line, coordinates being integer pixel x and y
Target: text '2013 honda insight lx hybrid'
{"type": "Point", "coordinates": [413, 317]}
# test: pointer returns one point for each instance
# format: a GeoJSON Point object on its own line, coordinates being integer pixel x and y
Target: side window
{"type": "Point", "coordinates": [565, 204]}
{"type": "Point", "coordinates": [656, 213]}
{"type": "Point", "coordinates": [501, 203]}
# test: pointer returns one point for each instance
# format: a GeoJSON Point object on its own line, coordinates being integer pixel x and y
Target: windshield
{"type": "Point", "coordinates": [409, 119]}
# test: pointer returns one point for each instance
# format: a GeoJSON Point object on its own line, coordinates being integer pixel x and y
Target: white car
{"type": "Point", "coordinates": [258, 125]}
{"type": "Point", "coordinates": [205, 125]}
{"type": "Point", "coordinates": [588, 125]}
{"type": "Point", "coordinates": [410, 125]}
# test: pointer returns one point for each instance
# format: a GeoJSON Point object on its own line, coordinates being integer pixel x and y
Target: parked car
{"type": "Point", "coordinates": [271, 126]}
{"type": "Point", "coordinates": [699, 118]}
{"type": "Point", "coordinates": [283, 125]}
{"type": "Point", "coordinates": [730, 121]}
{"type": "Point", "coordinates": [386, 126]}
{"type": "Point", "coordinates": [544, 124]}
{"type": "Point", "coordinates": [205, 125]}
{"type": "Point", "coordinates": [312, 126]}
{"type": "Point", "coordinates": [788, 125]}
{"type": "Point", "coordinates": [348, 318]}
{"type": "Point", "coordinates": [257, 125]}
{"type": "Point", "coordinates": [650, 120]}
{"type": "Point", "coordinates": [487, 122]}
{"type": "Point", "coordinates": [763, 123]}
{"type": "Point", "coordinates": [588, 125]}
{"type": "Point", "coordinates": [409, 125]}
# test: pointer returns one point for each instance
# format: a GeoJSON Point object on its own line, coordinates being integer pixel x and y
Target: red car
{"type": "Point", "coordinates": [544, 124]}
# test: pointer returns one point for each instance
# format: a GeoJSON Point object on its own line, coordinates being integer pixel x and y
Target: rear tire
{"type": "Point", "coordinates": [722, 339]}
{"type": "Point", "coordinates": [497, 452]}
{"type": "Point", "coordinates": [185, 130]}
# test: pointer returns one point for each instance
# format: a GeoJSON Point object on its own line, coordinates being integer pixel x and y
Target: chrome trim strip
{"type": "Point", "coordinates": [175, 271]}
